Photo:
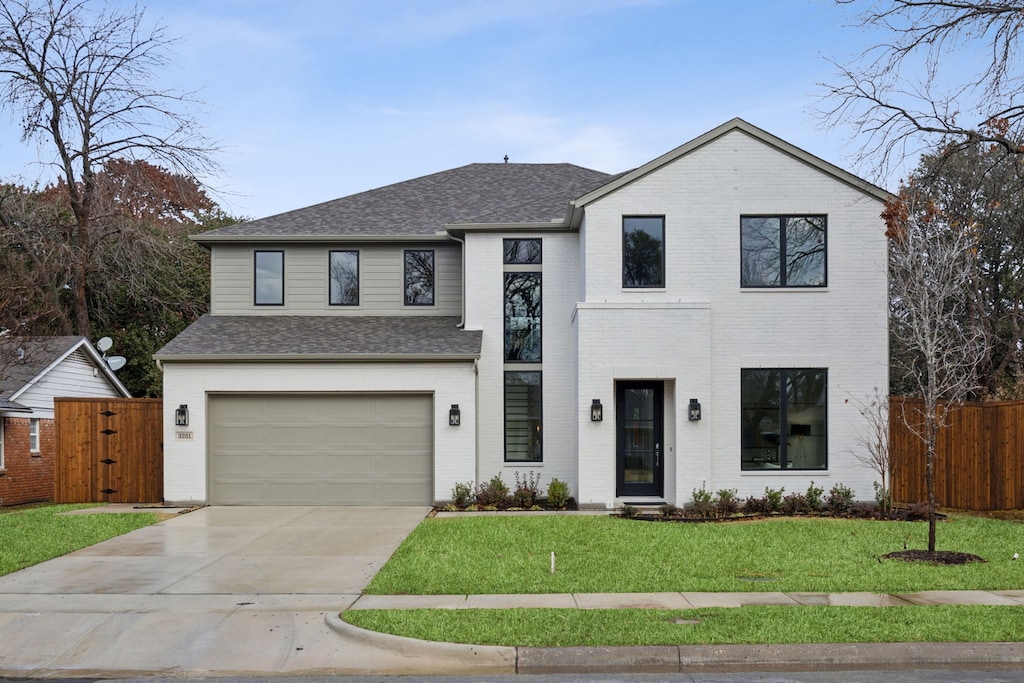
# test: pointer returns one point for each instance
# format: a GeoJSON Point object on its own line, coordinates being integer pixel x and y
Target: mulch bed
{"type": "Point", "coordinates": [935, 557]}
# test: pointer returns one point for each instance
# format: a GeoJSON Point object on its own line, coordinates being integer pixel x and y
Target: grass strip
{"type": "Point", "coordinates": [608, 555]}
{"type": "Point", "coordinates": [716, 626]}
{"type": "Point", "coordinates": [34, 535]}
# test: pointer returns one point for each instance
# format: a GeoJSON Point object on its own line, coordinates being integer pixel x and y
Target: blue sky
{"type": "Point", "coordinates": [317, 99]}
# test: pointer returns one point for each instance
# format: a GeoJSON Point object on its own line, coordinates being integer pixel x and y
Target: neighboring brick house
{"type": "Point", "coordinates": [701, 320]}
{"type": "Point", "coordinates": [34, 371]}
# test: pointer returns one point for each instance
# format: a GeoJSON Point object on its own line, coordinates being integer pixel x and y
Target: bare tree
{"type": "Point", "coordinates": [79, 76]}
{"type": "Point", "coordinates": [873, 439]}
{"type": "Point", "coordinates": [933, 266]}
{"type": "Point", "coordinates": [895, 97]}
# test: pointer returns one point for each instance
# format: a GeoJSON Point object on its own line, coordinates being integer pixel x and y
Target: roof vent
{"type": "Point", "coordinates": [506, 158]}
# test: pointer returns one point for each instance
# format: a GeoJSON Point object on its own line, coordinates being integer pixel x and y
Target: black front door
{"type": "Point", "coordinates": [639, 419]}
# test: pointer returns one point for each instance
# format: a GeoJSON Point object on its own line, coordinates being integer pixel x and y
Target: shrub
{"type": "Point", "coordinates": [773, 499]}
{"type": "Point", "coordinates": [793, 504]}
{"type": "Point", "coordinates": [883, 497]}
{"type": "Point", "coordinates": [558, 493]}
{"type": "Point", "coordinates": [628, 511]}
{"type": "Point", "coordinates": [727, 502]}
{"type": "Point", "coordinates": [527, 489]}
{"type": "Point", "coordinates": [703, 501]}
{"type": "Point", "coordinates": [462, 494]}
{"type": "Point", "coordinates": [755, 506]}
{"type": "Point", "coordinates": [812, 499]}
{"type": "Point", "coordinates": [839, 499]}
{"type": "Point", "coordinates": [493, 493]}
{"type": "Point", "coordinates": [668, 510]}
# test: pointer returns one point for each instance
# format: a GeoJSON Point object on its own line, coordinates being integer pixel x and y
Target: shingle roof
{"type": "Point", "coordinates": [476, 193]}
{"type": "Point", "coordinates": [23, 358]}
{"type": "Point", "coordinates": [293, 337]}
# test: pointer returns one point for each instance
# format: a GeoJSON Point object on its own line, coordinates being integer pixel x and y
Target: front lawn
{"type": "Point", "coordinates": [33, 535]}
{"type": "Point", "coordinates": [598, 554]}
{"type": "Point", "coordinates": [754, 625]}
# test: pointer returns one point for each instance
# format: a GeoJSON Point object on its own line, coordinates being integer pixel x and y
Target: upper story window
{"type": "Point", "coordinates": [343, 270]}
{"type": "Point", "coordinates": [522, 317]}
{"type": "Point", "coordinates": [419, 277]}
{"type": "Point", "coordinates": [643, 252]}
{"type": "Point", "coordinates": [782, 251]}
{"type": "Point", "coordinates": [268, 289]}
{"type": "Point", "coordinates": [526, 252]}
{"type": "Point", "coordinates": [783, 416]}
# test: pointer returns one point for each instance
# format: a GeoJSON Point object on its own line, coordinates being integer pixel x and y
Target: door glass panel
{"type": "Point", "coordinates": [639, 448]}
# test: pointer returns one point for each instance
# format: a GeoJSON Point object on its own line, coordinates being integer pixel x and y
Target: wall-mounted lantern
{"type": "Point", "coordinates": [694, 410]}
{"type": "Point", "coordinates": [596, 411]}
{"type": "Point", "coordinates": [454, 416]}
{"type": "Point", "coordinates": [181, 416]}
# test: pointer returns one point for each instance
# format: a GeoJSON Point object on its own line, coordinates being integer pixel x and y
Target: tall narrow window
{"type": "Point", "coordinates": [269, 278]}
{"type": "Point", "coordinates": [1, 443]}
{"type": "Point", "coordinates": [783, 413]}
{"type": "Point", "coordinates": [782, 251]}
{"type": "Point", "coordinates": [33, 435]}
{"type": "Point", "coordinates": [523, 417]}
{"type": "Point", "coordinates": [344, 275]}
{"type": "Point", "coordinates": [643, 251]}
{"type": "Point", "coordinates": [522, 317]}
{"type": "Point", "coordinates": [419, 277]}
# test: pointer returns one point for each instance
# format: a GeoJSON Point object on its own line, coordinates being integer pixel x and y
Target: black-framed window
{"type": "Point", "coordinates": [524, 417]}
{"type": "Point", "coordinates": [522, 317]}
{"type": "Point", "coordinates": [643, 251]}
{"type": "Point", "coordinates": [784, 419]}
{"type": "Point", "coordinates": [343, 268]}
{"type": "Point", "coordinates": [268, 279]}
{"type": "Point", "coordinates": [516, 251]}
{"type": "Point", "coordinates": [783, 251]}
{"type": "Point", "coordinates": [419, 277]}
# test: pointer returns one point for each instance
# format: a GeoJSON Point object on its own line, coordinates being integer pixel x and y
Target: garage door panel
{"type": "Point", "coordinates": [297, 449]}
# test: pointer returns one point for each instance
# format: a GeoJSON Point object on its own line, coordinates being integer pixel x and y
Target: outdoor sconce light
{"type": "Point", "coordinates": [454, 416]}
{"type": "Point", "coordinates": [694, 410]}
{"type": "Point", "coordinates": [181, 416]}
{"type": "Point", "coordinates": [596, 411]}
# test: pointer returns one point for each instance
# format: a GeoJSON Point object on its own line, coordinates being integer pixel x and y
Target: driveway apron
{"type": "Point", "coordinates": [220, 589]}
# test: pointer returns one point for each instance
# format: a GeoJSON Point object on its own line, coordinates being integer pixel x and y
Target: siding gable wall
{"type": "Point", "coordinates": [76, 375]}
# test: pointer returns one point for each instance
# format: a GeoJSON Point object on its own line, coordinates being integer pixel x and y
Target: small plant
{"type": "Point", "coordinates": [629, 512]}
{"type": "Point", "coordinates": [839, 499]}
{"type": "Point", "coordinates": [755, 506]}
{"type": "Point", "coordinates": [773, 499]}
{"type": "Point", "coordinates": [883, 497]}
{"type": "Point", "coordinates": [812, 499]}
{"type": "Point", "coordinates": [668, 511]}
{"type": "Point", "coordinates": [462, 494]}
{"type": "Point", "coordinates": [493, 493]}
{"type": "Point", "coordinates": [558, 493]}
{"type": "Point", "coordinates": [703, 501]}
{"type": "Point", "coordinates": [727, 502]}
{"type": "Point", "coordinates": [527, 489]}
{"type": "Point", "coordinates": [793, 503]}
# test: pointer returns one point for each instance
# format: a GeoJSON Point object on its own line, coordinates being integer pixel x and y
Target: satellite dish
{"type": "Point", "coordinates": [115, 363]}
{"type": "Point", "coordinates": [104, 344]}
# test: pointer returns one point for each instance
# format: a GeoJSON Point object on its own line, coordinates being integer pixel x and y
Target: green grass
{"type": "Point", "coordinates": [604, 554]}
{"type": "Point", "coordinates": [34, 535]}
{"type": "Point", "coordinates": [757, 624]}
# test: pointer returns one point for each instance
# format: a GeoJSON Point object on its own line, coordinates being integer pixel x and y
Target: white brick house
{"type": "Point", "coordinates": [736, 270]}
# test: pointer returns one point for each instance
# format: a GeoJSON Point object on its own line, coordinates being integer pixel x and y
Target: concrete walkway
{"type": "Point", "coordinates": [240, 591]}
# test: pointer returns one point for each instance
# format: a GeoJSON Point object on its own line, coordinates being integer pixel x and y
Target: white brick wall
{"type": "Point", "coordinates": [190, 383]}
{"type": "Point", "coordinates": [842, 327]}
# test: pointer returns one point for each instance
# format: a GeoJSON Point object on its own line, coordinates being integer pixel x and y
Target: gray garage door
{"type": "Point", "coordinates": [321, 449]}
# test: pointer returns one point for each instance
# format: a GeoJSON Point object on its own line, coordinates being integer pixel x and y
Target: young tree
{"type": "Point", "coordinates": [873, 439]}
{"type": "Point", "coordinates": [933, 264]}
{"type": "Point", "coordinates": [895, 97]}
{"type": "Point", "coordinates": [79, 77]}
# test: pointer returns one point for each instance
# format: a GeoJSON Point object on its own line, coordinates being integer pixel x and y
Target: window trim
{"type": "Point", "coordinates": [359, 277]}
{"type": "Point", "coordinates": [405, 278]}
{"type": "Point", "coordinates": [783, 420]}
{"type": "Point", "coordinates": [783, 274]}
{"type": "Point", "coordinates": [34, 435]}
{"type": "Point", "coordinates": [504, 418]}
{"type": "Point", "coordinates": [255, 277]}
{"type": "Point", "coordinates": [664, 252]}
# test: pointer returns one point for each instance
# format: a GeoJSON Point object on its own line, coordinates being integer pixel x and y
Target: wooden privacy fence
{"type": "Point", "coordinates": [980, 456]}
{"type": "Point", "coordinates": [108, 450]}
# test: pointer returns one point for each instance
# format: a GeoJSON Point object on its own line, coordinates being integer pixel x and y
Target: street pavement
{"type": "Point", "coordinates": [258, 591]}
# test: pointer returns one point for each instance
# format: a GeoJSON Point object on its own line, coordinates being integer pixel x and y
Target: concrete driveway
{"type": "Point", "coordinates": [218, 590]}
